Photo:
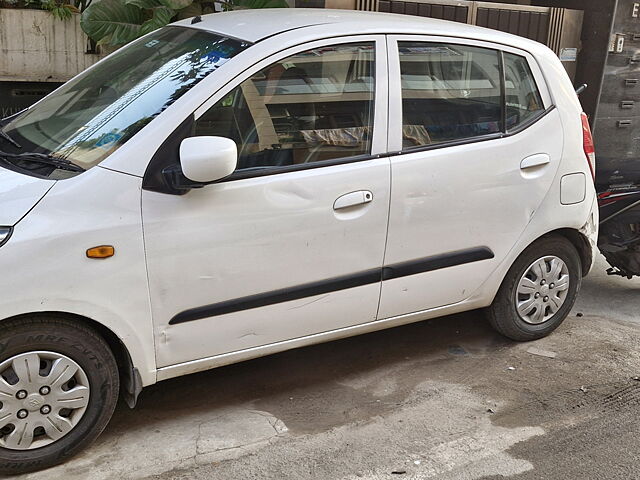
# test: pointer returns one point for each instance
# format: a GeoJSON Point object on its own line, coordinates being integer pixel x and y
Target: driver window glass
{"type": "Point", "coordinates": [316, 105]}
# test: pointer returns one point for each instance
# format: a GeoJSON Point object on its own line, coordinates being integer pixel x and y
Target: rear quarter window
{"type": "Point", "coordinates": [523, 99]}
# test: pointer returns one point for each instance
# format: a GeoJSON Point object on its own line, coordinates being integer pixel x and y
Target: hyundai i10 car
{"type": "Point", "coordinates": [244, 183]}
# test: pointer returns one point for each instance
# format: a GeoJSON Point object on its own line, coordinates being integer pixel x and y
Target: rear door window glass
{"type": "Point", "coordinates": [449, 92]}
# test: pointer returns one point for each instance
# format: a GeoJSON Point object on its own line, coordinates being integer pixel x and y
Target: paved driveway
{"type": "Point", "coordinates": [446, 399]}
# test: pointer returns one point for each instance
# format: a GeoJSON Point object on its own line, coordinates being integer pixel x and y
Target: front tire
{"type": "Point", "coordinates": [539, 290]}
{"type": "Point", "coordinates": [58, 389]}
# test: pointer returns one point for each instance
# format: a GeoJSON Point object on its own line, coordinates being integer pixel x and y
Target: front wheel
{"type": "Point", "coordinates": [58, 389]}
{"type": "Point", "coordinates": [539, 290]}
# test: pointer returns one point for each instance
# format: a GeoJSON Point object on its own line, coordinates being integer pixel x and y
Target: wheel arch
{"type": "Point", "coordinates": [581, 244]}
{"type": "Point", "coordinates": [130, 380]}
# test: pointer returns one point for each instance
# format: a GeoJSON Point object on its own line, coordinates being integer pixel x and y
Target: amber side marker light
{"type": "Point", "coordinates": [103, 251]}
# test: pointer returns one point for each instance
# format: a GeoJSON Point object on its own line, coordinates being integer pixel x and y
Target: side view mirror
{"type": "Point", "coordinates": [207, 159]}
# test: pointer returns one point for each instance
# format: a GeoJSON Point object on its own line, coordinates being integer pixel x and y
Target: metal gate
{"type": "Point", "coordinates": [558, 28]}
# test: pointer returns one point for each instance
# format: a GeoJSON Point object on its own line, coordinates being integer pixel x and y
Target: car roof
{"type": "Point", "coordinates": [258, 24]}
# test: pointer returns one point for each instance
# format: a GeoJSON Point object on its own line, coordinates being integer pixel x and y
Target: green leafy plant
{"type": "Point", "coordinates": [116, 22]}
{"type": "Point", "coordinates": [62, 9]}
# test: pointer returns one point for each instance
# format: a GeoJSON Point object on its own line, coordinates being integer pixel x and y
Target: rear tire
{"type": "Point", "coordinates": [539, 290]}
{"type": "Point", "coordinates": [60, 382]}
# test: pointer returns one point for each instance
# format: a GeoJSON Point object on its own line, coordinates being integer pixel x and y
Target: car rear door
{"type": "Point", "coordinates": [292, 243]}
{"type": "Point", "coordinates": [471, 172]}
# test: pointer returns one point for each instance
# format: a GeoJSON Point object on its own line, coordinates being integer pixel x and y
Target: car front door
{"type": "Point", "coordinates": [479, 154]}
{"type": "Point", "coordinates": [292, 243]}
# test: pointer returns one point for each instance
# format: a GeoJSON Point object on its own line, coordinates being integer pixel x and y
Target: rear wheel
{"type": "Point", "coordinates": [58, 389]}
{"type": "Point", "coordinates": [539, 290]}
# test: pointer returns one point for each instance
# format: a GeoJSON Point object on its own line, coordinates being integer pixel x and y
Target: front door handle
{"type": "Point", "coordinates": [535, 161]}
{"type": "Point", "coordinates": [352, 199]}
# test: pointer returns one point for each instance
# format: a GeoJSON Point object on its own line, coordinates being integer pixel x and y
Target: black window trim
{"type": "Point", "coordinates": [276, 170]}
{"type": "Point", "coordinates": [503, 92]}
{"type": "Point", "coordinates": [527, 123]}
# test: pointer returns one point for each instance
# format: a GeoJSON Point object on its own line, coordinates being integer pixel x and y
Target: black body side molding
{"type": "Point", "coordinates": [359, 279]}
{"type": "Point", "coordinates": [436, 262]}
{"type": "Point", "coordinates": [278, 296]}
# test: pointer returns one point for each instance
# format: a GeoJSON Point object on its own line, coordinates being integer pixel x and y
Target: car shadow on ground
{"type": "Point", "coordinates": [322, 386]}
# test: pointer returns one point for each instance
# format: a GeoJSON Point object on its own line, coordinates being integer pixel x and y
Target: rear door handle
{"type": "Point", "coordinates": [535, 161]}
{"type": "Point", "coordinates": [352, 199]}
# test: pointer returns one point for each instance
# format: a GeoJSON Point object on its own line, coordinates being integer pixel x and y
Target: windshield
{"type": "Point", "coordinates": [95, 113]}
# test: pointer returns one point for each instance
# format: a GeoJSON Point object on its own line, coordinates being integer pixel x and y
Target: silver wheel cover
{"type": "Point", "coordinates": [542, 290]}
{"type": "Point", "coordinates": [43, 396]}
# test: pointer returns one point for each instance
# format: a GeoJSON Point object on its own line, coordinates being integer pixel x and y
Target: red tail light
{"type": "Point", "coordinates": [587, 143]}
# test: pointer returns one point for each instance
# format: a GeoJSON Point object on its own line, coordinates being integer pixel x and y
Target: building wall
{"type": "Point", "coordinates": [36, 47]}
{"type": "Point", "coordinates": [592, 58]}
{"type": "Point", "coordinates": [617, 125]}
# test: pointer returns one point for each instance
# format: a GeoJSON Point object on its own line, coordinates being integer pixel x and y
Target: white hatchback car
{"type": "Point", "coordinates": [245, 183]}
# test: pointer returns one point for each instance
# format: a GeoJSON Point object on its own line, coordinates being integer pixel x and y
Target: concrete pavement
{"type": "Point", "coordinates": [446, 399]}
